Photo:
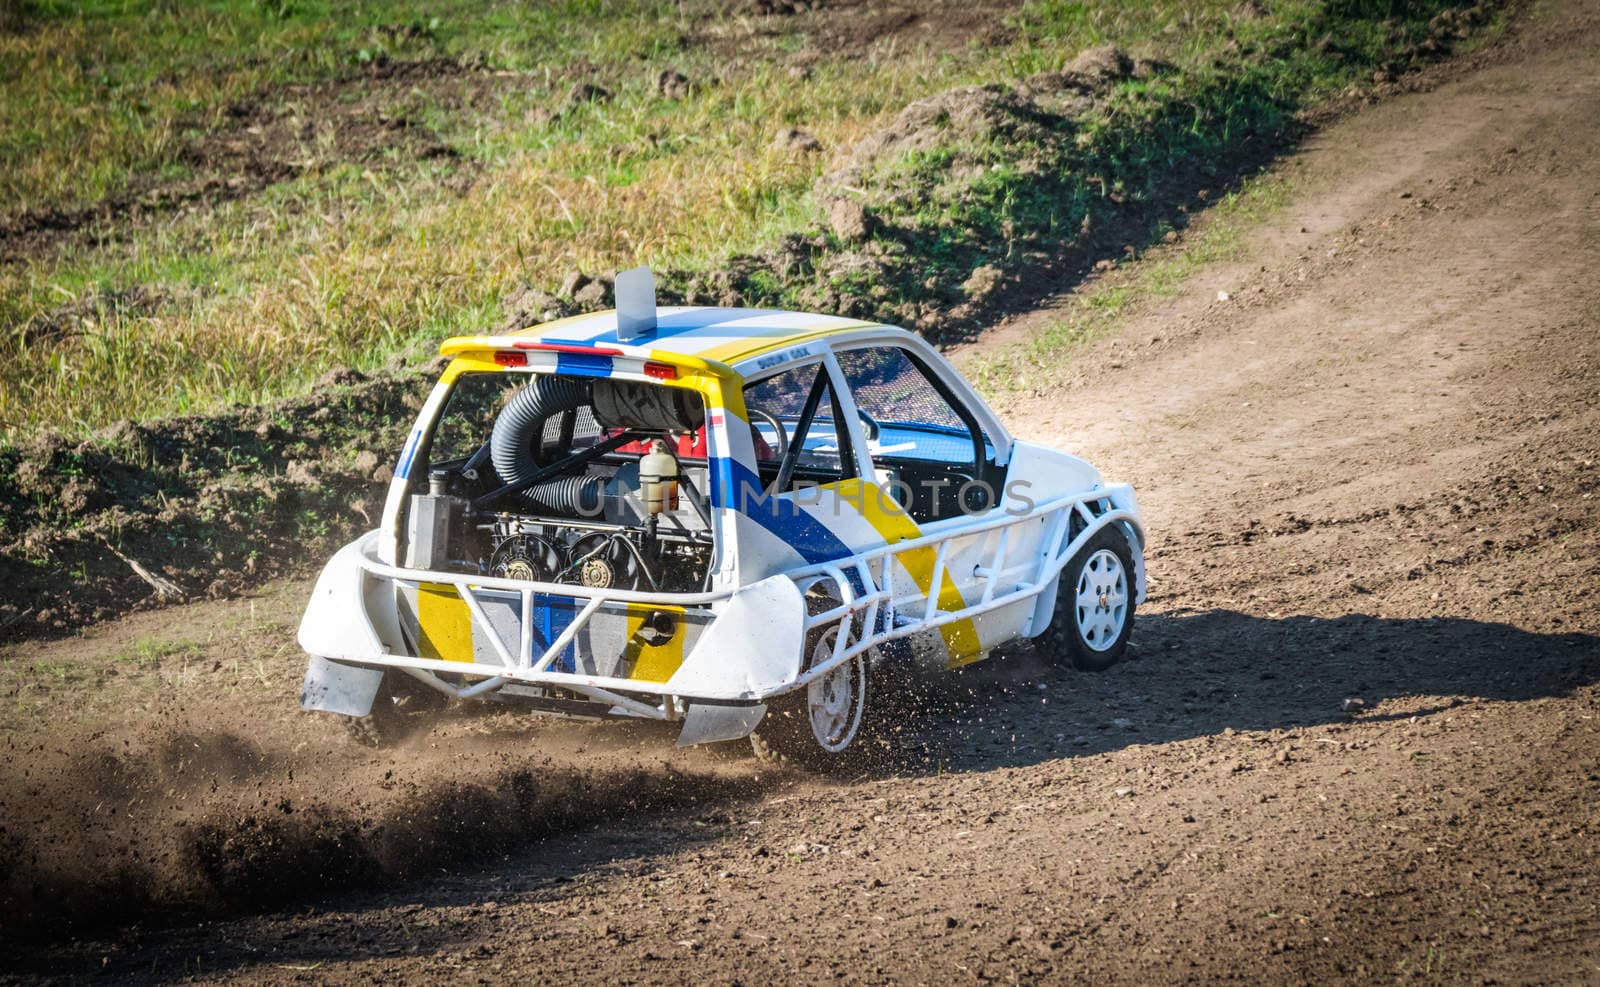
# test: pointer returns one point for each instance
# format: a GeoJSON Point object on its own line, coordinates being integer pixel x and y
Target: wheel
{"type": "Point", "coordinates": [401, 706]}
{"type": "Point", "coordinates": [1095, 603]}
{"type": "Point", "coordinates": [817, 725]}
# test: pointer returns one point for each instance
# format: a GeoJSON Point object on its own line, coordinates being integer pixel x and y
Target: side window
{"type": "Point", "coordinates": [932, 450]}
{"type": "Point", "coordinates": [906, 416]}
{"type": "Point", "coordinates": [794, 419]}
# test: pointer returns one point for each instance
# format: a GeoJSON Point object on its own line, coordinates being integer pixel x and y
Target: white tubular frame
{"type": "Point", "coordinates": [522, 666]}
{"type": "Point", "coordinates": [873, 569]}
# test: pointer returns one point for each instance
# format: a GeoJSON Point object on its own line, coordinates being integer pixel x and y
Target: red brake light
{"type": "Point", "coordinates": [661, 371]}
{"type": "Point", "coordinates": [533, 344]}
{"type": "Point", "coordinates": [510, 359]}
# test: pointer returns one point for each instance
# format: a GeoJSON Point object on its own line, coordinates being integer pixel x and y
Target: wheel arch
{"type": "Point", "coordinates": [1128, 522]}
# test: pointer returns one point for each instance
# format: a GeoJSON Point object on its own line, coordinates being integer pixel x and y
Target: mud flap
{"type": "Point", "coordinates": [753, 647]}
{"type": "Point", "coordinates": [707, 724]}
{"type": "Point", "coordinates": [334, 687]}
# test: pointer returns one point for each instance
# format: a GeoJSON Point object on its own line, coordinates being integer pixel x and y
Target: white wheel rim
{"type": "Point", "coordinates": [1102, 604]}
{"type": "Point", "coordinates": [834, 701]}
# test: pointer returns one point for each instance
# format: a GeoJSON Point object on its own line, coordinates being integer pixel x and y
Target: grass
{"type": "Point", "coordinates": [1101, 308]}
{"type": "Point", "coordinates": [358, 258]}
{"type": "Point", "coordinates": [149, 652]}
{"type": "Point", "coordinates": [104, 91]}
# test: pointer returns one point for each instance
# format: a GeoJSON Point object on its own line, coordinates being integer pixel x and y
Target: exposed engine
{"type": "Point", "coordinates": [628, 558]}
{"type": "Point", "coordinates": [576, 483]}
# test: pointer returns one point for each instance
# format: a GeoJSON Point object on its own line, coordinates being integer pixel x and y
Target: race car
{"type": "Point", "coordinates": [728, 519]}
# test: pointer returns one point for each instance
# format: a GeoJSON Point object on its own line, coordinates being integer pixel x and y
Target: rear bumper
{"type": "Point", "coordinates": [729, 651]}
{"type": "Point", "coordinates": [730, 647]}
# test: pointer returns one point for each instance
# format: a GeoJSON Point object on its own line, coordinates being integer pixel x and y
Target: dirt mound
{"type": "Point", "coordinates": [970, 116]}
{"type": "Point", "coordinates": [209, 504]}
{"type": "Point", "coordinates": [1101, 66]}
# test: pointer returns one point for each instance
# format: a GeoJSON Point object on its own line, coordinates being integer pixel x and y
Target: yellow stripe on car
{"type": "Point", "coordinates": [445, 623]}
{"type": "Point", "coordinates": [653, 662]}
{"type": "Point", "coordinates": [895, 525]}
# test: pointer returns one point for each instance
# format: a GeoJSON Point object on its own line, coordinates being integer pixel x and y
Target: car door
{"type": "Point", "coordinates": [925, 448]}
{"type": "Point", "coordinates": [791, 506]}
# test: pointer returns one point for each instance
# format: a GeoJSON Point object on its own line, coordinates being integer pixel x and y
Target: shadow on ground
{"type": "Point", "coordinates": [1198, 673]}
{"type": "Point", "coordinates": [1191, 675]}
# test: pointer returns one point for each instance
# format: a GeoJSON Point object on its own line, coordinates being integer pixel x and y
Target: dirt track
{"type": "Point", "coordinates": [1369, 473]}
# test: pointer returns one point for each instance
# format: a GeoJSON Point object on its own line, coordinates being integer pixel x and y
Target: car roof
{"type": "Point", "coordinates": [723, 335]}
{"type": "Point", "coordinates": [732, 338]}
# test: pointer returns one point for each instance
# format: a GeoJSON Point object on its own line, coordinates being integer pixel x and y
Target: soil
{"type": "Point", "coordinates": [853, 28]}
{"type": "Point", "coordinates": [371, 117]}
{"type": "Point", "coordinates": [1357, 738]}
{"type": "Point", "coordinates": [207, 505]}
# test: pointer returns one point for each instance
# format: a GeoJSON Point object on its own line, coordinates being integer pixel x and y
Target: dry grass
{"type": "Point", "coordinates": [351, 263]}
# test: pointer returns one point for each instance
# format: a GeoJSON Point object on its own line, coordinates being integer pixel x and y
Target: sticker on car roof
{"type": "Point", "coordinates": [773, 359]}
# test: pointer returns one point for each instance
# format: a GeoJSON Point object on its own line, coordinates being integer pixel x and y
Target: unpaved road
{"type": "Point", "coordinates": [1369, 473]}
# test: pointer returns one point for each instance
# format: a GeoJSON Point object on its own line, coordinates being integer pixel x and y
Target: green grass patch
{"type": "Point", "coordinates": [1102, 308]}
{"type": "Point", "coordinates": [150, 652]}
{"type": "Point", "coordinates": [100, 92]}
{"type": "Point", "coordinates": [58, 672]}
{"type": "Point", "coordinates": [422, 160]}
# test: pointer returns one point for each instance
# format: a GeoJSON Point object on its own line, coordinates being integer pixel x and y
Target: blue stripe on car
{"type": "Point", "coordinates": [404, 470]}
{"type": "Point", "coordinates": [551, 615]}
{"type": "Point", "coordinates": [735, 486]}
{"type": "Point", "coordinates": [583, 364]}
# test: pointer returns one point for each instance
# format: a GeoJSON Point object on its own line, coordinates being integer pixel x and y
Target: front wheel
{"type": "Point", "coordinates": [816, 725]}
{"type": "Point", "coordinates": [1095, 603]}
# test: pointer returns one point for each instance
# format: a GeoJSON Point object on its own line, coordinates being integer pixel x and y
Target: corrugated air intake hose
{"type": "Point", "coordinates": [518, 431]}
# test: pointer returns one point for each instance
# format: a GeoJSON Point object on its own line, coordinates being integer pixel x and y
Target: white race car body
{"type": "Point", "coordinates": [943, 576]}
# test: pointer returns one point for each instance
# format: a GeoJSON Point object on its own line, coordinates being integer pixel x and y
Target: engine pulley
{"type": "Point", "coordinates": [526, 557]}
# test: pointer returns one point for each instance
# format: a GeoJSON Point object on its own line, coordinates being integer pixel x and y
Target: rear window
{"type": "Point", "coordinates": [469, 414]}
{"type": "Point", "coordinates": [478, 399]}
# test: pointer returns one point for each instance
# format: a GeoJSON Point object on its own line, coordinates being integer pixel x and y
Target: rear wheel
{"type": "Point", "coordinates": [401, 707]}
{"type": "Point", "coordinates": [815, 726]}
{"type": "Point", "coordinates": [1095, 603]}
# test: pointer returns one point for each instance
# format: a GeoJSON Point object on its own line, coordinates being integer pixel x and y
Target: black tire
{"type": "Point", "coordinates": [787, 734]}
{"type": "Point", "coordinates": [1094, 637]}
{"type": "Point", "coordinates": [783, 737]}
{"type": "Point", "coordinates": [402, 706]}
